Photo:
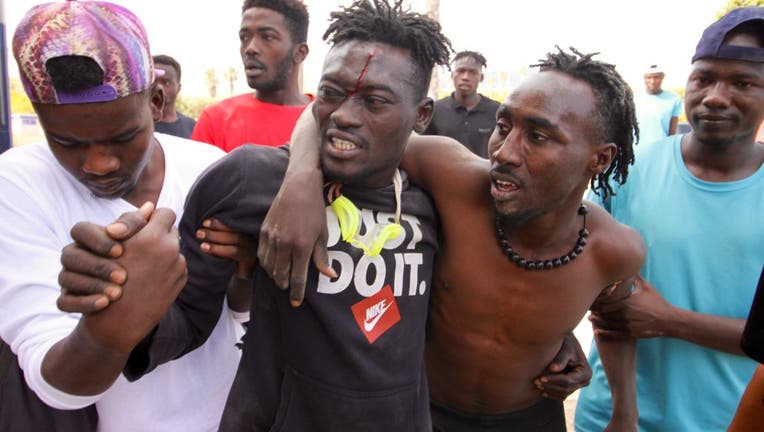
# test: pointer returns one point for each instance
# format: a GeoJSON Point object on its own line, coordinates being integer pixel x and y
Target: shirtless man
{"type": "Point", "coordinates": [518, 267]}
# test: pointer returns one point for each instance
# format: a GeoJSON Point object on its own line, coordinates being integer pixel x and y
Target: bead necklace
{"type": "Point", "coordinates": [527, 264]}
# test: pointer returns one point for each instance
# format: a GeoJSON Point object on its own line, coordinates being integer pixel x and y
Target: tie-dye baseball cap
{"type": "Point", "coordinates": [107, 33]}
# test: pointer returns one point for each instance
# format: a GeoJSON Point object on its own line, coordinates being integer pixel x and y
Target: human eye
{"type": "Point", "coordinates": [537, 136]}
{"type": "Point", "coordinates": [503, 127]}
{"type": "Point", "coordinates": [63, 142]}
{"type": "Point", "coordinates": [702, 80]}
{"type": "Point", "coordinates": [268, 36]}
{"type": "Point", "coordinates": [330, 94]}
{"type": "Point", "coordinates": [743, 84]}
{"type": "Point", "coordinates": [375, 101]}
{"type": "Point", "coordinates": [125, 138]}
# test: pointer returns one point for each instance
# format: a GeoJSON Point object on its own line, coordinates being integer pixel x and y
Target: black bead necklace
{"type": "Point", "coordinates": [527, 264]}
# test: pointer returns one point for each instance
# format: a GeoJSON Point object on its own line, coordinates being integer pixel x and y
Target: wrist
{"type": "Point", "coordinates": [97, 337]}
{"type": "Point", "coordinates": [674, 324]}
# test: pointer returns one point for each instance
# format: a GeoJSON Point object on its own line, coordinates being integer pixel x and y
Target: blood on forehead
{"type": "Point", "coordinates": [363, 72]}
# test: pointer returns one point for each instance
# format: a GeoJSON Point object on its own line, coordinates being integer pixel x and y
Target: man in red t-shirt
{"type": "Point", "coordinates": [273, 39]}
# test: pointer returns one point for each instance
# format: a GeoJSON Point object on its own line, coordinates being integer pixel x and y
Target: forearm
{"type": "Point", "coordinates": [80, 365]}
{"type": "Point", "coordinates": [711, 331]}
{"type": "Point", "coordinates": [619, 361]}
{"type": "Point", "coordinates": [304, 144]}
{"type": "Point", "coordinates": [239, 294]}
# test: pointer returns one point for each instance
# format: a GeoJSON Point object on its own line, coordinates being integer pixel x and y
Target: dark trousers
{"type": "Point", "coordinates": [546, 416]}
{"type": "Point", "coordinates": [22, 410]}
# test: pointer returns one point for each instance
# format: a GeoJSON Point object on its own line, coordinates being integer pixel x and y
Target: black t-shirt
{"type": "Point", "coordinates": [351, 357]}
{"type": "Point", "coordinates": [471, 128]}
{"type": "Point", "coordinates": [182, 127]}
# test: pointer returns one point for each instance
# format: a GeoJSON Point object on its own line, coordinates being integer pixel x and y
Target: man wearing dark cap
{"type": "Point", "coordinates": [697, 199]}
{"type": "Point", "coordinates": [87, 69]}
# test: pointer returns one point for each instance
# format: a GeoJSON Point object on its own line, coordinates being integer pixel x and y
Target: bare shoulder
{"type": "Point", "coordinates": [440, 163]}
{"type": "Point", "coordinates": [620, 249]}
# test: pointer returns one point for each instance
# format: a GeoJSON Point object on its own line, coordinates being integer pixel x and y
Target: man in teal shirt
{"type": "Point", "coordinates": [697, 200]}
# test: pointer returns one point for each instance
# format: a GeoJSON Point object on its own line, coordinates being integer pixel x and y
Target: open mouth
{"type": "Point", "coordinates": [253, 69]}
{"type": "Point", "coordinates": [505, 185]}
{"type": "Point", "coordinates": [342, 145]}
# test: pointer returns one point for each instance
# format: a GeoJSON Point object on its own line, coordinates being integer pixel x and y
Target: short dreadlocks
{"type": "Point", "coordinates": [378, 21]}
{"type": "Point", "coordinates": [617, 118]}
{"type": "Point", "coordinates": [473, 55]}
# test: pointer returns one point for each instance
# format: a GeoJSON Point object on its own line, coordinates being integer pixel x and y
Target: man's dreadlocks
{"type": "Point", "coordinates": [617, 117]}
{"type": "Point", "coordinates": [378, 21]}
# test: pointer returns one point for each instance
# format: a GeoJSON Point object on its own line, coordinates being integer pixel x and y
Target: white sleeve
{"type": "Point", "coordinates": [239, 317]}
{"type": "Point", "coordinates": [30, 321]}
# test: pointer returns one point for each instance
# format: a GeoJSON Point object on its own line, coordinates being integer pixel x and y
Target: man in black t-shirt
{"type": "Point", "coordinates": [351, 357]}
{"type": "Point", "coordinates": [173, 122]}
{"type": "Point", "coordinates": [466, 115]}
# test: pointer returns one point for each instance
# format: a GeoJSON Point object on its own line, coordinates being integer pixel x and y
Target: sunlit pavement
{"type": "Point", "coordinates": [584, 335]}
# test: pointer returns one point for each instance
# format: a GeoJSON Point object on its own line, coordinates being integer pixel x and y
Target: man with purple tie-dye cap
{"type": "Point", "coordinates": [87, 68]}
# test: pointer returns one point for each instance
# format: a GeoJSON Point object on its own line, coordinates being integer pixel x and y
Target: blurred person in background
{"type": "Point", "coordinates": [273, 44]}
{"type": "Point", "coordinates": [172, 122]}
{"type": "Point", "coordinates": [466, 115]}
{"type": "Point", "coordinates": [658, 110]}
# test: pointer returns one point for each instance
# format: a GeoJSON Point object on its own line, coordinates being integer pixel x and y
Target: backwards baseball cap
{"type": "Point", "coordinates": [107, 33]}
{"type": "Point", "coordinates": [712, 44]}
{"type": "Point", "coordinates": [654, 69]}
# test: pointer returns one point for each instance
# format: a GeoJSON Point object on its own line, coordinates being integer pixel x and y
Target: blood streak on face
{"type": "Point", "coordinates": [363, 72]}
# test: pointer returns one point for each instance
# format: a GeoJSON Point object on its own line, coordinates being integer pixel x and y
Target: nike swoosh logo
{"type": "Point", "coordinates": [369, 325]}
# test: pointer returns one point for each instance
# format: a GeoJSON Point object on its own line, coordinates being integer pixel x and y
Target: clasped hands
{"type": "Point", "coordinates": [137, 260]}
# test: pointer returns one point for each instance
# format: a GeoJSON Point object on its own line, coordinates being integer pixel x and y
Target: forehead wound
{"type": "Point", "coordinates": [365, 69]}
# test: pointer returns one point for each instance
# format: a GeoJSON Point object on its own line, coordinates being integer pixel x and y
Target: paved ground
{"type": "Point", "coordinates": [570, 410]}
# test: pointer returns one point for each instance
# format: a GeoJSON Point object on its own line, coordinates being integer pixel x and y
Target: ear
{"type": "Point", "coordinates": [423, 115]}
{"type": "Point", "coordinates": [482, 75]}
{"type": "Point", "coordinates": [300, 53]}
{"type": "Point", "coordinates": [602, 157]}
{"type": "Point", "coordinates": [157, 101]}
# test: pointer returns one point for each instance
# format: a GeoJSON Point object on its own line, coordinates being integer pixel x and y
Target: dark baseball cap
{"type": "Point", "coordinates": [712, 44]}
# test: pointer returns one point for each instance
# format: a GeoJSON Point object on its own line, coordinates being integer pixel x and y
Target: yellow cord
{"type": "Point", "coordinates": [349, 218]}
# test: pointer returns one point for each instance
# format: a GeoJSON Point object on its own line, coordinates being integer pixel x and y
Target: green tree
{"type": "Point", "coordinates": [211, 79]}
{"type": "Point", "coordinates": [20, 103]}
{"type": "Point", "coordinates": [230, 76]}
{"type": "Point", "coordinates": [192, 106]}
{"type": "Point", "coordinates": [734, 4]}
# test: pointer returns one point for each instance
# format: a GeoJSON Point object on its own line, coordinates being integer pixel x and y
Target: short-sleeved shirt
{"type": "Point", "coordinates": [245, 119]}
{"type": "Point", "coordinates": [654, 114]}
{"type": "Point", "coordinates": [705, 248]}
{"type": "Point", "coordinates": [182, 127]}
{"type": "Point", "coordinates": [471, 128]}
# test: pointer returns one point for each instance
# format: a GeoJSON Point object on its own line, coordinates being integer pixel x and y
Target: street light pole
{"type": "Point", "coordinates": [5, 116]}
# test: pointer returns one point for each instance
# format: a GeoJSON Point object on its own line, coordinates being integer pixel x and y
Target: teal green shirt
{"type": "Point", "coordinates": [705, 246]}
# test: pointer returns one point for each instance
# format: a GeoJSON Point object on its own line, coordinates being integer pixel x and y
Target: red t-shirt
{"type": "Point", "coordinates": [244, 119]}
